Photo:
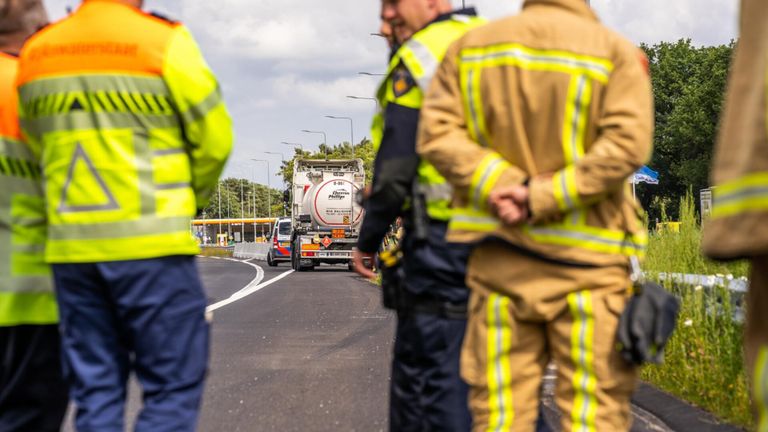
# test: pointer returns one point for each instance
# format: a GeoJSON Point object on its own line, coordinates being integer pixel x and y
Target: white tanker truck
{"type": "Point", "coordinates": [325, 217]}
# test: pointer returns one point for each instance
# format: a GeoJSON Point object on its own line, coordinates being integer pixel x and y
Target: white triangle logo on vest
{"type": "Point", "coordinates": [111, 202]}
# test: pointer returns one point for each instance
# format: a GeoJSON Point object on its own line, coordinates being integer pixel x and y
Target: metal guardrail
{"type": "Point", "coordinates": [738, 285]}
{"type": "Point", "coordinates": [737, 288]}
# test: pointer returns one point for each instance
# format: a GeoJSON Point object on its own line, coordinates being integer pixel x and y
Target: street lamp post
{"type": "Point", "coordinates": [282, 156]}
{"type": "Point", "coordinates": [351, 130]}
{"type": "Point", "coordinates": [294, 145]}
{"type": "Point", "coordinates": [325, 141]}
{"type": "Point", "coordinates": [253, 199]}
{"type": "Point", "coordinates": [282, 159]}
{"type": "Point", "coordinates": [376, 101]}
{"type": "Point", "coordinates": [242, 214]}
{"type": "Point", "coordinates": [218, 210]}
{"type": "Point", "coordinates": [269, 191]}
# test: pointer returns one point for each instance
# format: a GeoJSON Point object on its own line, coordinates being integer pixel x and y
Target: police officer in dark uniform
{"type": "Point", "coordinates": [426, 390]}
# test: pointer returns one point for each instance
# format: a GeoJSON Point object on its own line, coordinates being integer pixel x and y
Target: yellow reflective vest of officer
{"type": "Point", "coordinates": [26, 285]}
{"type": "Point", "coordinates": [131, 147]}
{"type": "Point", "coordinates": [421, 55]}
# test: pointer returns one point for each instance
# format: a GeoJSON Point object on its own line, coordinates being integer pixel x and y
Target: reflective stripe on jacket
{"type": "Point", "coordinates": [736, 227]}
{"type": "Point", "coordinates": [131, 130]}
{"type": "Point", "coordinates": [421, 55]}
{"type": "Point", "coordinates": [26, 286]}
{"type": "Point", "coordinates": [552, 96]}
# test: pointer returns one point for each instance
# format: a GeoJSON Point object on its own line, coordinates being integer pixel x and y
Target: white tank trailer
{"type": "Point", "coordinates": [324, 213]}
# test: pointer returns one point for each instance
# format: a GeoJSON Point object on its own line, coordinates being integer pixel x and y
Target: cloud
{"type": "Point", "coordinates": [284, 64]}
{"type": "Point", "coordinates": [324, 94]}
{"type": "Point", "coordinates": [705, 22]}
{"type": "Point", "coordinates": [294, 35]}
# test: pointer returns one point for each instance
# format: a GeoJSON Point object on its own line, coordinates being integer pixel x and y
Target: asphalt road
{"type": "Point", "coordinates": [307, 353]}
{"type": "Point", "coordinates": [310, 351]}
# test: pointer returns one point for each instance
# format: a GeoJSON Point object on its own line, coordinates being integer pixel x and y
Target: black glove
{"type": "Point", "coordinates": [647, 324]}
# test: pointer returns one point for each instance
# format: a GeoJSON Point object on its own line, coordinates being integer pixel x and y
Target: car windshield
{"type": "Point", "coordinates": [284, 228]}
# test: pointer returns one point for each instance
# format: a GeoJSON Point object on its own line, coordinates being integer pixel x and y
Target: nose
{"type": "Point", "coordinates": [385, 29]}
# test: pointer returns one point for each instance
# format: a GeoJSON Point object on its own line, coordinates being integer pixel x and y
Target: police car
{"type": "Point", "coordinates": [280, 251]}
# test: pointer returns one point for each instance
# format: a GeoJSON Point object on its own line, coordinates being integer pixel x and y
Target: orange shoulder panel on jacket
{"type": "Point", "coordinates": [9, 121]}
{"type": "Point", "coordinates": [102, 36]}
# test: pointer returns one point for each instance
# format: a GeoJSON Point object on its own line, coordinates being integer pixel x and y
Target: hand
{"type": "Point", "coordinates": [358, 263]}
{"type": "Point", "coordinates": [510, 204]}
{"type": "Point", "coordinates": [362, 195]}
{"type": "Point", "coordinates": [511, 213]}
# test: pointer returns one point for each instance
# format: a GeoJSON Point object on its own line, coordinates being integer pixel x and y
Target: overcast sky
{"type": "Point", "coordinates": [285, 64]}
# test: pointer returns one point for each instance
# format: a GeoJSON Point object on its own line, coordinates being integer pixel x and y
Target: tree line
{"type": "Point", "coordinates": [688, 88]}
{"type": "Point", "coordinates": [242, 198]}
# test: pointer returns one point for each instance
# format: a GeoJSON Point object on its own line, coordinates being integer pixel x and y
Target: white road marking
{"type": "Point", "coordinates": [252, 287]}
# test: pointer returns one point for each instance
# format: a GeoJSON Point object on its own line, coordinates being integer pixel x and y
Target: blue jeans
{"type": "Point", "coordinates": [141, 316]}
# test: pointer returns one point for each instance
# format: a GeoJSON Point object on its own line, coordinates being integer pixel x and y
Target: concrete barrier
{"type": "Point", "coordinates": [252, 251]}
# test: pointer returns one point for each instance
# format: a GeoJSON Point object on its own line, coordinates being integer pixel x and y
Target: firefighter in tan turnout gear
{"type": "Point", "coordinates": [736, 227]}
{"type": "Point", "coordinates": [538, 120]}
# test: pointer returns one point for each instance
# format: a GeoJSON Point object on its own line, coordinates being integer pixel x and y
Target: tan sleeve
{"type": "Point", "coordinates": [623, 144]}
{"type": "Point", "coordinates": [444, 141]}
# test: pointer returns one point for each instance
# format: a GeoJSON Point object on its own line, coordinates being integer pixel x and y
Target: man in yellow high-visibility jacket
{"type": "Point", "coordinates": [132, 134]}
{"type": "Point", "coordinates": [33, 394]}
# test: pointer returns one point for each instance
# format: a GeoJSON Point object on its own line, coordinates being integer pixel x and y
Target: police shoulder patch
{"type": "Point", "coordinates": [402, 81]}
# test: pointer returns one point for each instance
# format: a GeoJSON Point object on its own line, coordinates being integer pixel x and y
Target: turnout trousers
{"type": "Point", "coordinates": [141, 316]}
{"type": "Point", "coordinates": [525, 312]}
{"type": "Point", "coordinates": [33, 394]}
{"type": "Point", "coordinates": [756, 338]}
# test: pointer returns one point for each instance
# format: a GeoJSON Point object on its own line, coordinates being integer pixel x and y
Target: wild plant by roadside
{"type": "Point", "coordinates": [704, 359]}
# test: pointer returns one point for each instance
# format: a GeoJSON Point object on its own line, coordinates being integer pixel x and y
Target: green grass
{"type": "Point", "coordinates": [680, 252]}
{"type": "Point", "coordinates": [704, 358]}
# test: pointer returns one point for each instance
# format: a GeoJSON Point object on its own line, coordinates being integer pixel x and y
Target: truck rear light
{"type": "Point", "coordinates": [307, 254]}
